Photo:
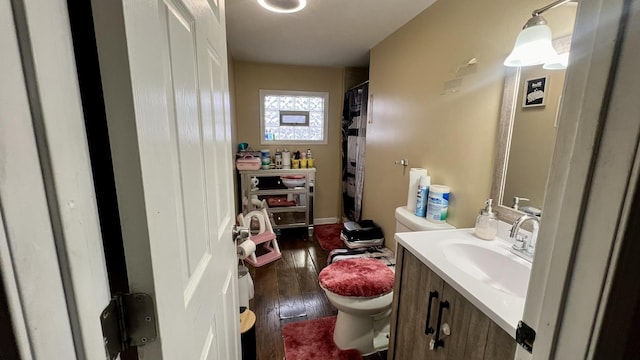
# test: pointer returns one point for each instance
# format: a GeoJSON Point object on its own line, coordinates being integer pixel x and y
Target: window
{"type": "Point", "coordinates": [293, 117]}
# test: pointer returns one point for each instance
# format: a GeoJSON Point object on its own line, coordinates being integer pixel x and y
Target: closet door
{"type": "Point", "coordinates": [353, 147]}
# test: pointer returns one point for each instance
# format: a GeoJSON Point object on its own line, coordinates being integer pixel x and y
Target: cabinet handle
{"type": "Point", "coordinates": [427, 328]}
{"type": "Point", "coordinates": [443, 305]}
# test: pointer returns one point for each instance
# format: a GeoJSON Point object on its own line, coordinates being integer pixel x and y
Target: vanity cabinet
{"type": "Point", "coordinates": [414, 323]}
{"type": "Point", "coordinates": [287, 207]}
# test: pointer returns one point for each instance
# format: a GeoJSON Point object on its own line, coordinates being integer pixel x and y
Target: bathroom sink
{"type": "Point", "coordinates": [491, 266]}
{"type": "Point", "coordinates": [485, 272]}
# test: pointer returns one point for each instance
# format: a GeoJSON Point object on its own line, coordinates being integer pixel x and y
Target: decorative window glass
{"type": "Point", "coordinates": [293, 117]}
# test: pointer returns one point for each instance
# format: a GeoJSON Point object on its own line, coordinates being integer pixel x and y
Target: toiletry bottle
{"type": "Point", "coordinates": [278, 159]}
{"type": "Point", "coordinates": [423, 191]}
{"type": "Point", "coordinates": [487, 222]}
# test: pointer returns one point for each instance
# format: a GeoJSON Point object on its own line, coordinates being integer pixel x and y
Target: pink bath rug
{"type": "Point", "coordinates": [313, 340]}
{"type": "Point", "coordinates": [328, 236]}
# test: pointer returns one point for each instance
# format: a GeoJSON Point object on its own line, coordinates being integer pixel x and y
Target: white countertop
{"type": "Point", "coordinates": [504, 307]}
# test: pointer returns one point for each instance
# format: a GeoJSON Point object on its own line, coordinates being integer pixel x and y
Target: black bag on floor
{"type": "Point", "coordinates": [361, 234]}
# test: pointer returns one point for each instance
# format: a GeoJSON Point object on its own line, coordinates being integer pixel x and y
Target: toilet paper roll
{"type": "Point", "coordinates": [414, 181]}
{"type": "Point", "coordinates": [245, 249]}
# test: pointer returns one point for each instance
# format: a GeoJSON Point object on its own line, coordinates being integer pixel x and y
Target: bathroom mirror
{"type": "Point", "coordinates": [528, 124]}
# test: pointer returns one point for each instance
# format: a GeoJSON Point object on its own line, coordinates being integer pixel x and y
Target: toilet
{"type": "Point", "coordinates": [407, 221]}
{"type": "Point", "coordinates": [362, 291]}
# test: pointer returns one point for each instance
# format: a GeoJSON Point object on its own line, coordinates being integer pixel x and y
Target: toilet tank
{"type": "Point", "coordinates": [407, 221]}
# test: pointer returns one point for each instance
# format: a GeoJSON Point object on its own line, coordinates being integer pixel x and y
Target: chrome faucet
{"type": "Point", "coordinates": [524, 247]}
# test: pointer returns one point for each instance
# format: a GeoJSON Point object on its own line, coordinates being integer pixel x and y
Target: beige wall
{"type": "Point", "coordinates": [251, 77]}
{"type": "Point", "coordinates": [355, 76]}
{"type": "Point", "coordinates": [451, 133]}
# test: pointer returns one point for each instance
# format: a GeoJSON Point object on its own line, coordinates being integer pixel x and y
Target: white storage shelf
{"type": "Point", "coordinates": [270, 186]}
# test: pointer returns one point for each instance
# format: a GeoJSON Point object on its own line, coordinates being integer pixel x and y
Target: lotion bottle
{"type": "Point", "coordinates": [487, 222]}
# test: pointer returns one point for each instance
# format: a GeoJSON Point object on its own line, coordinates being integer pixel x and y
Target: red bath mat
{"type": "Point", "coordinates": [313, 340]}
{"type": "Point", "coordinates": [329, 236]}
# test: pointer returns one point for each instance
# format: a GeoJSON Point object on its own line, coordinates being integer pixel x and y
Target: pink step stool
{"type": "Point", "coordinates": [265, 239]}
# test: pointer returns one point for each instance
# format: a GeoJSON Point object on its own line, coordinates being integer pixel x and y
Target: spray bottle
{"type": "Point", "coordinates": [423, 191]}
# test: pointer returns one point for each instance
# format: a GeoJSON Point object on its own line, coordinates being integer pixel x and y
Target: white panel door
{"type": "Point", "coordinates": [170, 136]}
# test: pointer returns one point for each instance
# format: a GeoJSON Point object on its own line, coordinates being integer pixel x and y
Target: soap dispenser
{"type": "Point", "coordinates": [487, 222]}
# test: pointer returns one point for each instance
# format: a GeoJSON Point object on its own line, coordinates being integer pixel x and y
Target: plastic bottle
{"type": "Point", "coordinates": [423, 191]}
{"type": "Point", "coordinates": [438, 203]}
{"type": "Point", "coordinates": [269, 135]}
{"type": "Point", "coordinates": [278, 159]}
{"type": "Point", "coordinates": [487, 222]}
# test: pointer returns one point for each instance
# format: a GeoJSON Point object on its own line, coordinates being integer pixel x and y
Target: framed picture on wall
{"type": "Point", "coordinates": [535, 91]}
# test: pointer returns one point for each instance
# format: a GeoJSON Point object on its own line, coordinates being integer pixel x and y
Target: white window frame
{"type": "Point", "coordinates": [325, 125]}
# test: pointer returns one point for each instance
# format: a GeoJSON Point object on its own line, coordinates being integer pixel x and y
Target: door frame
{"type": "Point", "coordinates": [608, 224]}
{"type": "Point", "coordinates": [52, 259]}
{"type": "Point", "coordinates": [90, 85]}
{"type": "Point", "coordinates": [587, 190]}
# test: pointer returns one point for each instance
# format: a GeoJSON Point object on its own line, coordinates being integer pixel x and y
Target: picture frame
{"type": "Point", "coordinates": [535, 91]}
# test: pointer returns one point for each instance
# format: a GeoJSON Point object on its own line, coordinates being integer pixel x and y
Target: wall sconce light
{"type": "Point", "coordinates": [283, 6]}
{"type": "Point", "coordinates": [533, 45]}
{"type": "Point", "coordinates": [558, 62]}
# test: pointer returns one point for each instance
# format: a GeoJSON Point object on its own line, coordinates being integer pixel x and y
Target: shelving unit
{"type": "Point", "coordinates": [270, 186]}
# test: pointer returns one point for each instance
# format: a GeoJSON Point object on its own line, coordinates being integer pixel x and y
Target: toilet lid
{"type": "Point", "coordinates": [359, 277]}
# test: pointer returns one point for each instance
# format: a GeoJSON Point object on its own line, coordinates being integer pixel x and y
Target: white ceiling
{"type": "Point", "coordinates": [325, 33]}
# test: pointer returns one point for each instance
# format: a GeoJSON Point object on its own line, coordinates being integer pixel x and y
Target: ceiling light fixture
{"type": "Point", "coordinates": [533, 45]}
{"type": "Point", "coordinates": [283, 6]}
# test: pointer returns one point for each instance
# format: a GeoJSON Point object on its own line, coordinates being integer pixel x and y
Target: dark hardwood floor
{"type": "Point", "coordinates": [287, 290]}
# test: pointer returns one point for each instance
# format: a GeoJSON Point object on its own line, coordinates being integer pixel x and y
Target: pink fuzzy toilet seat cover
{"type": "Point", "coordinates": [360, 277]}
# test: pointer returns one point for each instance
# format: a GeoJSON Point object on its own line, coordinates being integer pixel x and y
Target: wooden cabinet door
{"type": "Point", "coordinates": [473, 334]}
{"type": "Point", "coordinates": [415, 281]}
{"type": "Point", "coordinates": [468, 327]}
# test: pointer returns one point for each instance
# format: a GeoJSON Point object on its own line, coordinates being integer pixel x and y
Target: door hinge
{"type": "Point", "coordinates": [129, 320]}
{"type": "Point", "coordinates": [525, 336]}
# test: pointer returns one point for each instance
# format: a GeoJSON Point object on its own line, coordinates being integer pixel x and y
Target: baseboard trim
{"type": "Point", "coordinates": [324, 221]}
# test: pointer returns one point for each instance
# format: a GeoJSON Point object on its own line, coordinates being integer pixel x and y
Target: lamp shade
{"type": "Point", "coordinates": [559, 62]}
{"type": "Point", "coordinates": [533, 47]}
